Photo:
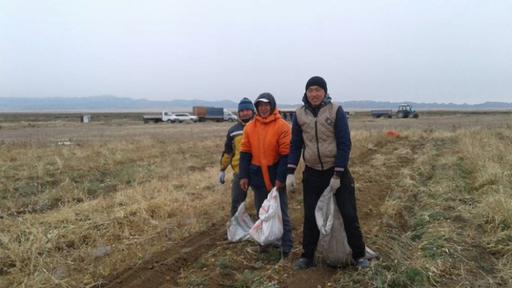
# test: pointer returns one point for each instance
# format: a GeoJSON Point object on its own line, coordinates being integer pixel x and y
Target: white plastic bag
{"type": "Point", "coordinates": [239, 225]}
{"type": "Point", "coordinates": [332, 246]}
{"type": "Point", "coordinates": [269, 228]}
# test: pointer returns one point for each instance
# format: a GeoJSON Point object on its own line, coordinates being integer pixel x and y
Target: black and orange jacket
{"type": "Point", "coordinates": [231, 153]}
{"type": "Point", "coordinates": [264, 151]}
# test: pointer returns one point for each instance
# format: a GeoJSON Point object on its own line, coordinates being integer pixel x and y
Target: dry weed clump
{"type": "Point", "coordinates": [456, 200]}
{"type": "Point", "coordinates": [161, 194]}
{"type": "Point", "coordinates": [489, 159]}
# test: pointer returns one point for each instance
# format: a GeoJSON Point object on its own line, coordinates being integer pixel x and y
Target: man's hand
{"type": "Point", "coordinates": [222, 177]}
{"type": "Point", "coordinates": [335, 183]}
{"type": "Point", "coordinates": [290, 183]}
{"type": "Point", "coordinates": [279, 185]}
{"type": "Point", "coordinates": [244, 184]}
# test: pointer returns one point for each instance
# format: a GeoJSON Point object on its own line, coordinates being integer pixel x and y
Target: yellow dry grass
{"type": "Point", "coordinates": [454, 200]}
{"type": "Point", "coordinates": [86, 235]}
{"type": "Point", "coordinates": [72, 215]}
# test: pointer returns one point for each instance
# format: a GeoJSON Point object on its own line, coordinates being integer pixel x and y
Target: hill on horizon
{"type": "Point", "coordinates": [109, 103]}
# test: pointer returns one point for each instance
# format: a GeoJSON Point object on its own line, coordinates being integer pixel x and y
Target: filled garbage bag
{"type": "Point", "coordinates": [332, 246]}
{"type": "Point", "coordinates": [239, 225]}
{"type": "Point", "coordinates": [269, 227]}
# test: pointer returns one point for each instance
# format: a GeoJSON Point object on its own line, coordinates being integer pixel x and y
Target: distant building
{"type": "Point", "coordinates": [86, 118]}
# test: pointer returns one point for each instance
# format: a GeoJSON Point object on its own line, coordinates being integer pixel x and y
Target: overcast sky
{"type": "Point", "coordinates": [425, 51]}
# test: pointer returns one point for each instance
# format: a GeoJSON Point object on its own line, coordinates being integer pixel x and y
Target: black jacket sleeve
{"type": "Point", "coordinates": [245, 162]}
{"type": "Point", "coordinates": [343, 142]}
{"type": "Point", "coordinates": [281, 168]}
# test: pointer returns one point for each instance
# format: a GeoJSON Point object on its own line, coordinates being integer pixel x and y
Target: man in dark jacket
{"type": "Point", "coordinates": [320, 131]}
{"type": "Point", "coordinates": [231, 153]}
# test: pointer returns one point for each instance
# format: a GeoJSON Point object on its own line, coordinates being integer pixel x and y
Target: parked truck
{"type": "Point", "coordinates": [162, 117]}
{"type": "Point", "coordinates": [382, 113]}
{"type": "Point", "coordinates": [204, 113]}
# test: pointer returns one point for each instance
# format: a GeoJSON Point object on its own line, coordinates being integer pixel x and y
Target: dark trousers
{"type": "Point", "coordinates": [260, 194]}
{"type": "Point", "coordinates": [314, 183]}
{"type": "Point", "coordinates": [237, 194]}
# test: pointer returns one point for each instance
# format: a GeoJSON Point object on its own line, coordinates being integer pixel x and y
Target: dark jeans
{"type": "Point", "coordinates": [314, 183]}
{"type": "Point", "coordinates": [260, 194]}
{"type": "Point", "coordinates": [237, 194]}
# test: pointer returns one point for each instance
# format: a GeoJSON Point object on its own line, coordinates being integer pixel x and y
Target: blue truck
{"type": "Point", "coordinates": [205, 113]}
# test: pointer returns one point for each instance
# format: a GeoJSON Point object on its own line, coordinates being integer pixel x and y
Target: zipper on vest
{"type": "Point", "coordinates": [318, 145]}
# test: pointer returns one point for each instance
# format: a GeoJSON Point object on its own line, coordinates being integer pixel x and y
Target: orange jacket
{"type": "Point", "coordinates": [266, 139]}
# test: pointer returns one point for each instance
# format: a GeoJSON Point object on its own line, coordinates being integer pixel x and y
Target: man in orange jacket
{"type": "Point", "coordinates": [263, 160]}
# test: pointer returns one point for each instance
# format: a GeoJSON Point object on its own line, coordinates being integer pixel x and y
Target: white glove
{"type": "Point", "coordinates": [222, 177]}
{"type": "Point", "coordinates": [335, 183]}
{"type": "Point", "coordinates": [290, 183]}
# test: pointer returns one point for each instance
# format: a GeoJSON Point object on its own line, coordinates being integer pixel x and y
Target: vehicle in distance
{"type": "Point", "coordinates": [163, 117]}
{"type": "Point", "coordinates": [204, 113]}
{"type": "Point", "coordinates": [404, 111]}
{"type": "Point", "coordinates": [382, 113]}
{"type": "Point", "coordinates": [228, 116]}
{"type": "Point", "coordinates": [182, 117]}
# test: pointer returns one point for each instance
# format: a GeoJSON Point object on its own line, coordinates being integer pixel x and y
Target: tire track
{"type": "Point", "coordinates": [164, 267]}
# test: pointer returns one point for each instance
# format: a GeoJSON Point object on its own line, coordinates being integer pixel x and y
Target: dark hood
{"type": "Point", "coordinates": [270, 99]}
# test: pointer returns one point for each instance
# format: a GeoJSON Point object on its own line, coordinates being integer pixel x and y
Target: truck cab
{"type": "Point", "coordinates": [167, 117]}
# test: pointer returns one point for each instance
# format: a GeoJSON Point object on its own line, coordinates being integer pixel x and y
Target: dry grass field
{"type": "Point", "coordinates": [116, 203]}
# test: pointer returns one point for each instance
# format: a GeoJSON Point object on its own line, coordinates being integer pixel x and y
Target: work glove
{"type": "Point", "coordinates": [335, 183]}
{"type": "Point", "coordinates": [290, 183]}
{"type": "Point", "coordinates": [222, 177]}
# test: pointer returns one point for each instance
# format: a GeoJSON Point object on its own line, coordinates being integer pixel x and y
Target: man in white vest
{"type": "Point", "coordinates": [320, 131]}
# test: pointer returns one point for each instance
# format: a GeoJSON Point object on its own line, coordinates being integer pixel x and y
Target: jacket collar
{"type": "Point", "coordinates": [327, 100]}
{"type": "Point", "coordinates": [270, 118]}
{"type": "Point", "coordinates": [245, 123]}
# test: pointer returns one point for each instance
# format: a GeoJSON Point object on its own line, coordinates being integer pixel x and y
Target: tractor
{"type": "Point", "coordinates": [406, 111]}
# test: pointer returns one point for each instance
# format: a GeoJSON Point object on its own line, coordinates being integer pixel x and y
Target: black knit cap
{"type": "Point", "coordinates": [317, 81]}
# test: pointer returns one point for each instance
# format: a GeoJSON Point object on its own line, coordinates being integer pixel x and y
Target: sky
{"type": "Point", "coordinates": [457, 51]}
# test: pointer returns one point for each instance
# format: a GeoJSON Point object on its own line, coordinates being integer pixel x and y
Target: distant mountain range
{"type": "Point", "coordinates": [368, 105]}
{"type": "Point", "coordinates": [108, 103]}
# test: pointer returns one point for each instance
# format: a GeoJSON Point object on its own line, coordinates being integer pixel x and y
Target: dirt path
{"type": "Point", "coordinates": [164, 267]}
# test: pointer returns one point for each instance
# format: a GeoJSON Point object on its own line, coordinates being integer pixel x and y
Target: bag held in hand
{"type": "Point", "coordinates": [239, 225]}
{"type": "Point", "coordinates": [269, 228]}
